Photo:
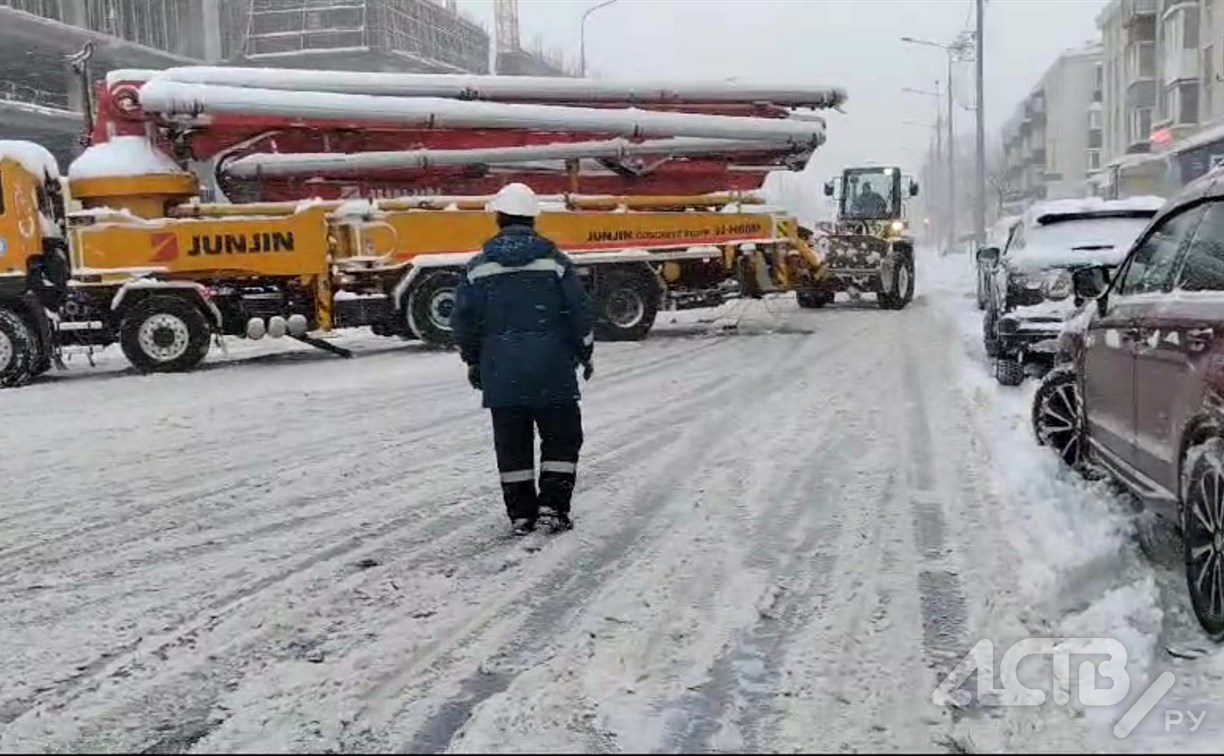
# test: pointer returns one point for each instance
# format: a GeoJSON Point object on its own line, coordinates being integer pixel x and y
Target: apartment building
{"type": "Point", "coordinates": [1053, 141]}
{"type": "Point", "coordinates": [1135, 97]}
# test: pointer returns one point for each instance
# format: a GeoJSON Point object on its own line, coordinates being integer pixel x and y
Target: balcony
{"type": "Point", "coordinates": [1138, 11]}
{"type": "Point", "coordinates": [1141, 94]}
{"type": "Point", "coordinates": [1180, 65]}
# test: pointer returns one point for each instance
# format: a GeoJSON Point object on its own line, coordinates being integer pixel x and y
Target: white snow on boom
{"type": "Point", "coordinates": [282, 164]}
{"type": "Point", "coordinates": [122, 156]}
{"type": "Point", "coordinates": [193, 100]}
{"type": "Point", "coordinates": [498, 88]}
{"type": "Point", "coordinates": [33, 157]}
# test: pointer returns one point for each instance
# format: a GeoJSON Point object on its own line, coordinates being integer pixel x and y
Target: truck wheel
{"type": "Point", "coordinates": [1203, 533]}
{"type": "Point", "coordinates": [1009, 372]}
{"type": "Point", "coordinates": [431, 304]}
{"type": "Point", "coordinates": [626, 303]}
{"type": "Point", "coordinates": [17, 350]}
{"type": "Point", "coordinates": [813, 297]}
{"type": "Point", "coordinates": [1057, 421]}
{"type": "Point", "coordinates": [164, 334]}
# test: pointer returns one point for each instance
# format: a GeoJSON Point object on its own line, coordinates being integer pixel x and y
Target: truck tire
{"type": "Point", "coordinates": [626, 303]}
{"type": "Point", "coordinates": [431, 304]}
{"type": "Point", "coordinates": [813, 297]}
{"type": "Point", "coordinates": [896, 293]}
{"type": "Point", "coordinates": [164, 333]}
{"type": "Point", "coordinates": [18, 344]}
{"type": "Point", "coordinates": [1009, 372]}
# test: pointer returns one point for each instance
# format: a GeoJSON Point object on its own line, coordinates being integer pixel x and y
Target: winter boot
{"type": "Point", "coordinates": [554, 521]}
{"type": "Point", "coordinates": [522, 526]}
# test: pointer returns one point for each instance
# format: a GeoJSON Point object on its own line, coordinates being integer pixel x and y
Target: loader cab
{"type": "Point", "coordinates": [871, 194]}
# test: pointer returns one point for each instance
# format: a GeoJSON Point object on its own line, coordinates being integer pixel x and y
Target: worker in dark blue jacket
{"type": "Point", "coordinates": [522, 321]}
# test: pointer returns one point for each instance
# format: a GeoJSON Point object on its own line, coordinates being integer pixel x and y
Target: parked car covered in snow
{"type": "Point", "coordinates": [1141, 396]}
{"type": "Point", "coordinates": [997, 237]}
{"type": "Point", "coordinates": [1029, 292]}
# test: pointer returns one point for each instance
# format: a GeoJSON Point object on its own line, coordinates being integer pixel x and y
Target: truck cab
{"type": "Point", "coordinates": [33, 266]}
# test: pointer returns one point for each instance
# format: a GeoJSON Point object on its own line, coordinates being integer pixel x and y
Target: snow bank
{"type": "Point", "coordinates": [33, 157]}
{"type": "Point", "coordinates": [122, 156]}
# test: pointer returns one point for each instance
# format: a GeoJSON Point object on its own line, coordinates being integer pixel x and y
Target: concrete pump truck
{"type": "Point", "coordinates": [160, 258]}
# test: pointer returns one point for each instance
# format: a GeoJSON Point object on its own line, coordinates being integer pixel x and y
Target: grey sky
{"type": "Point", "coordinates": [852, 43]}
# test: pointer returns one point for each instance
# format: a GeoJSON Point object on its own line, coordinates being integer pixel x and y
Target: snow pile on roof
{"type": "Point", "coordinates": [1149, 204]}
{"type": "Point", "coordinates": [1090, 241]}
{"type": "Point", "coordinates": [33, 157]}
{"type": "Point", "coordinates": [122, 156]}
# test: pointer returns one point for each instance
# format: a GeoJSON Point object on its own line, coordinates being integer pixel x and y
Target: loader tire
{"type": "Point", "coordinates": [431, 305]}
{"type": "Point", "coordinates": [626, 303]}
{"type": "Point", "coordinates": [164, 334]}
{"type": "Point", "coordinates": [18, 347]}
{"type": "Point", "coordinates": [896, 293]}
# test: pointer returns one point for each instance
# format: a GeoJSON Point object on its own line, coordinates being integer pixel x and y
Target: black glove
{"type": "Point", "coordinates": [588, 370]}
{"type": "Point", "coordinates": [474, 377]}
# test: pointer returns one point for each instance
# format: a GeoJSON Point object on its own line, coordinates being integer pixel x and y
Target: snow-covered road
{"type": "Point", "coordinates": [785, 533]}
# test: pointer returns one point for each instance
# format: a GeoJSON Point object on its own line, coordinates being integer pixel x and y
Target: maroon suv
{"type": "Point", "coordinates": [1139, 394]}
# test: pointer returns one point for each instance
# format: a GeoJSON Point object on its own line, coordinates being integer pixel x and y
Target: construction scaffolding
{"type": "Point", "coordinates": [157, 24]}
{"type": "Point", "coordinates": [422, 34]}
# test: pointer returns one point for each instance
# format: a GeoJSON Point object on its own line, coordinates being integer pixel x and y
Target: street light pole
{"type": "Point", "coordinates": [582, 34]}
{"type": "Point", "coordinates": [979, 205]}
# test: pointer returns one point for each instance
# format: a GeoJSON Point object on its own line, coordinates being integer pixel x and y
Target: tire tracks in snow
{"type": "Point", "coordinates": [221, 606]}
{"type": "Point", "coordinates": [563, 599]}
{"type": "Point", "coordinates": [115, 660]}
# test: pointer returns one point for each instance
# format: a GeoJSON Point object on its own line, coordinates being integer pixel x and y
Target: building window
{"type": "Point", "coordinates": [1190, 28]}
{"type": "Point", "coordinates": [1094, 119]}
{"type": "Point", "coordinates": [1208, 81]}
{"type": "Point", "coordinates": [1094, 160]}
{"type": "Point", "coordinates": [1098, 83]}
{"type": "Point", "coordinates": [1141, 61]}
{"type": "Point", "coordinates": [1140, 126]}
{"type": "Point", "coordinates": [1187, 112]}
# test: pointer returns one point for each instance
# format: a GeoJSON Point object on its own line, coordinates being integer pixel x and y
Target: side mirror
{"type": "Point", "coordinates": [988, 256]}
{"type": "Point", "coordinates": [828, 188]}
{"type": "Point", "coordinates": [913, 188]}
{"type": "Point", "coordinates": [1090, 282]}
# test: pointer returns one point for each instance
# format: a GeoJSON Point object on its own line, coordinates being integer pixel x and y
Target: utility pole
{"type": "Point", "coordinates": [939, 145]}
{"type": "Point", "coordinates": [951, 166]}
{"type": "Point", "coordinates": [979, 209]}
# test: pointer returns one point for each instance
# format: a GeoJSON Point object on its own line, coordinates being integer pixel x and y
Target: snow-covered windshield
{"type": "Point", "coordinates": [1075, 241]}
{"type": "Point", "coordinates": [871, 193]}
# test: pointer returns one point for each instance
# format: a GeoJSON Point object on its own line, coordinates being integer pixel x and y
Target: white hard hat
{"type": "Point", "coordinates": [516, 199]}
